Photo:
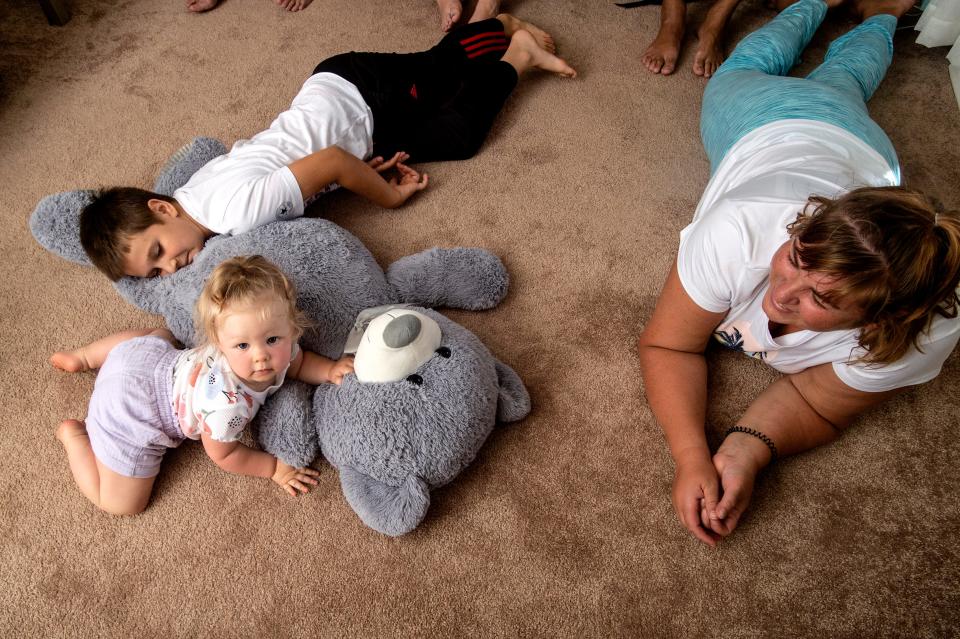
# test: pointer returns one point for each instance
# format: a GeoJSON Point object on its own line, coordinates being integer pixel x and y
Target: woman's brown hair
{"type": "Point", "coordinates": [896, 256]}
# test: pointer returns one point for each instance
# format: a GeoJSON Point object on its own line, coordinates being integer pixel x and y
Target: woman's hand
{"type": "Point", "coordinates": [695, 489]}
{"type": "Point", "coordinates": [738, 461]}
{"type": "Point", "coordinates": [292, 479]}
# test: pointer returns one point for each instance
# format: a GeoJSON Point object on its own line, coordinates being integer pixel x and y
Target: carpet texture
{"type": "Point", "coordinates": [563, 525]}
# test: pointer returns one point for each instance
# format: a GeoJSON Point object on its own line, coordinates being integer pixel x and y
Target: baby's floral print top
{"type": "Point", "coordinates": [208, 398]}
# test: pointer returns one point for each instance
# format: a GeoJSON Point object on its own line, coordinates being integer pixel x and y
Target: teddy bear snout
{"type": "Point", "coordinates": [401, 331]}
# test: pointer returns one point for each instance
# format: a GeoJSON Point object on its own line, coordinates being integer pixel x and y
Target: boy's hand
{"type": "Point", "coordinates": [292, 479]}
{"type": "Point", "coordinates": [341, 367]}
{"type": "Point", "coordinates": [408, 182]}
{"type": "Point", "coordinates": [380, 166]}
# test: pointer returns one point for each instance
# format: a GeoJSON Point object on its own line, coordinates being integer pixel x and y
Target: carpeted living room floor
{"type": "Point", "coordinates": [563, 525]}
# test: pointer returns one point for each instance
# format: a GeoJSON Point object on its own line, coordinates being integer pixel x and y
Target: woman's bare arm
{"type": "Point", "coordinates": [797, 412]}
{"type": "Point", "coordinates": [675, 377]}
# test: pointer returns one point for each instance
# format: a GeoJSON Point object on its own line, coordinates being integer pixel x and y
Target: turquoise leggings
{"type": "Point", "coordinates": [750, 89]}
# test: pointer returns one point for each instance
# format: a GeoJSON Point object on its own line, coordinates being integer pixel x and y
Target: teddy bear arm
{"type": "Point", "coordinates": [284, 426]}
{"type": "Point", "coordinates": [468, 278]}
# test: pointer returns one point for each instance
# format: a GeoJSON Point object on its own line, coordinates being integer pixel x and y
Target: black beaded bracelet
{"type": "Point", "coordinates": [749, 431]}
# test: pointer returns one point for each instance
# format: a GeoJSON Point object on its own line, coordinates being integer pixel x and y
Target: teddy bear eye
{"type": "Point", "coordinates": [415, 379]}
{"type": "Point", "coordinates": [443, 351]}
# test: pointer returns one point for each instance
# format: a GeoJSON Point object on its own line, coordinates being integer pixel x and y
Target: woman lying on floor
{"type": "Point", "coordinates": [802, 253]}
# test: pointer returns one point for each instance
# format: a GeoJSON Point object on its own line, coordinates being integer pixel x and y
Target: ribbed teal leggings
{"type": "Point", "coordinates": [749, 89]}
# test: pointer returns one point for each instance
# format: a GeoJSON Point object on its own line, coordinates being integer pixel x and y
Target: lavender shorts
{"type": "Point", "coordinates": [130, 419]}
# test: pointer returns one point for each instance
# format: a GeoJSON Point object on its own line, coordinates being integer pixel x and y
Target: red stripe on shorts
{"type": "Point", "coordinates": [488, 34]}
{"type": "Point", "coordinates": [475, 54]}
{"type": "Point", "coordinates": [486, 43]}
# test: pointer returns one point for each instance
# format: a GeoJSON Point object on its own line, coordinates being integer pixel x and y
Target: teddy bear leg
{"type": "Point", "coordinates": [391, 510]}
{"type": "Point", "coordinates": [467, 278]}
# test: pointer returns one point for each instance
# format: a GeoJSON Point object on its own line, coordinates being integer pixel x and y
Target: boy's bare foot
{"type": "Point", "coordinates": [524, 53]}
{"type": "Point", "coordinates": [484, 10]}
{"type": "Point", "coordinates": [512, 24]}
{"type": "Point", "coordinates": [450, 11]}
{"type": "Point", "coordinates": [70, 428]}
{"type": "Point", "coordinates": [200, 5]}
{"type": "Point", "coordinates": [70, 361]}
{"type": "Point", "coordinates": [709, 54]}
{"type": "Point", "coordinates": [661, 56]}
{"type": "Point", "coordinates": [293, 5]}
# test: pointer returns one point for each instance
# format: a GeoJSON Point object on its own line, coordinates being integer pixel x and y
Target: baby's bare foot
{"type": "Point", "coordinates": [661, 56]}
{"type": "Point", "coordinates": [200, 5]}
{"type": "Point", "coordinates": [524, 53]}
{"type": "Point", "coordinates": [709, 54]}
{"type": "Point", "coordinates": [69, 429]}
{"type": "Point", "coordinates": [450, 11]}
{"type": "Point", "coordinates": [512, 24]}
{"type": "Point", "coordinates": [70, 361]}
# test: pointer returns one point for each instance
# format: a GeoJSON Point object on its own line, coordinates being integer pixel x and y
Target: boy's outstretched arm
{"type": "Point", "coordinates": [333, 164]}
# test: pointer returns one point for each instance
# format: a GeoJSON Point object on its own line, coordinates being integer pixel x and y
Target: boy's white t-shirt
{"type": "Point", "coordinates": [252, 184]}
{"type": "Point", "coordinates": [208, 397]}
{"type": "Point", "coordinates": [724, 256]}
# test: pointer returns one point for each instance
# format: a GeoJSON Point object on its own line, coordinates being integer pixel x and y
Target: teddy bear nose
{"type": "Point", "coordinates": [401, 331]}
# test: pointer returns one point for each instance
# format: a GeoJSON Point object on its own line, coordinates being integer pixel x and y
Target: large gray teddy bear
{"type": "Point", "coordinates": [427, 392]}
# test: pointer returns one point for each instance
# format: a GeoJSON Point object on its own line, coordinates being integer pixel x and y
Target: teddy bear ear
{"type": "Point", "coordinates": [391, 510]}
{"type": "Point", "coordinates": [185, 162]}
{"type": "Point", "coordinates": [55, 224]}
{"type": "Point", "coordinates": [514, 401]}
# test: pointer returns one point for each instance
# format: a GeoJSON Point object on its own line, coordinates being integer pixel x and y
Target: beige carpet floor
{"type": "Point", "coordinates": [563, 525]}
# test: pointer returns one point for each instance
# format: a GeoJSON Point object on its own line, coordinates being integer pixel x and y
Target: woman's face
{"type": "Point", "coordinates": [795, 297]}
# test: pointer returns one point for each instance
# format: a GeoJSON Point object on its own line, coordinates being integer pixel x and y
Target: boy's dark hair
{"type": "Point", "coordinates": [110, 220]}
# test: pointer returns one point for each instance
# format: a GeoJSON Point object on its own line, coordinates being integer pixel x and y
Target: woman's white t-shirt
{"type": "Point", "coordinates": [740, 222]}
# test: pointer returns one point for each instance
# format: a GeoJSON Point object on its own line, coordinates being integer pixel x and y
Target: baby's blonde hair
{"type": "Point", "coordinates": [244, 281]}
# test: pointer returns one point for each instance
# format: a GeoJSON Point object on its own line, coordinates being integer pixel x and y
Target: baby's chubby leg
{"type": "Point", "coordinates": [109, 491]}
{"type": "Point", "coordinates": [95, 353]}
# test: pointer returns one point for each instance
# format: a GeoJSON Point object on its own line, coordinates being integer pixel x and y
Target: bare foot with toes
{"type": "Point", "coordinates": [709, 54]}
{"type": "Point", "coordinates": [485, 9]}
{"type": "Point", "coordinates": [293, 5]}
{"type": "Point", "coordinates": [200, 5]}
{"type": "Point", "coordinates": [661, 56]}
{"type": "Point", "coordinates": [450, 11]}
{"type": "Point", "coordinates": [512, 24]}
{"type": "Point", "coordinates": [525, 53]}
{"type": "Point", "coordinates": [870, 8]}
{"type": "Point", "coordinates": [70, 361]}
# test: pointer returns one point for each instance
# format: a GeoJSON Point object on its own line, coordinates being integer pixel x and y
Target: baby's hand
{"type": "Point", "coordinates": [292, 479]}
{"type": "Point", "coordinates": [341, 367]}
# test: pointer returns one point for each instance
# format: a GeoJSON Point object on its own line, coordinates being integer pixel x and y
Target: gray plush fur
{"type": "Point", "coordinates": [391, 442]}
